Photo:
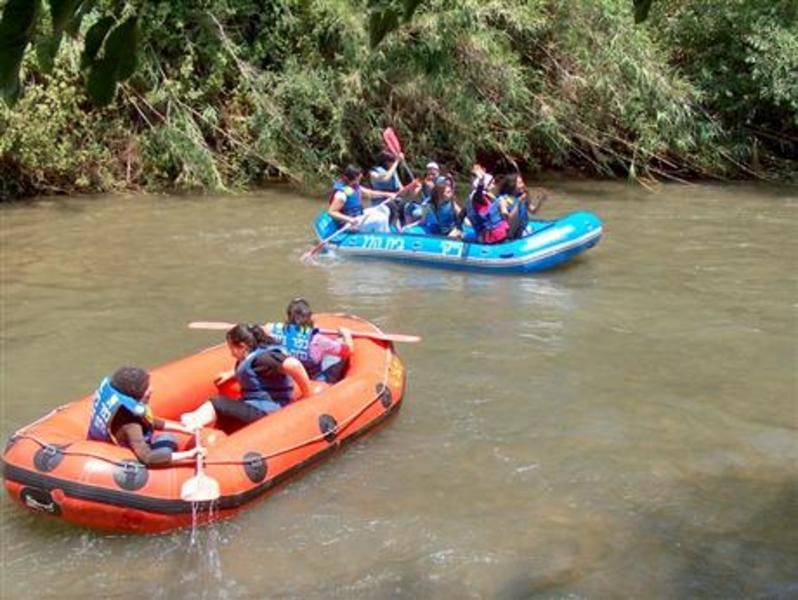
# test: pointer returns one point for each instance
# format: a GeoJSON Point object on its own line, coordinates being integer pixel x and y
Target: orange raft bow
{"type": "Point", "coordinates": [50, 466]}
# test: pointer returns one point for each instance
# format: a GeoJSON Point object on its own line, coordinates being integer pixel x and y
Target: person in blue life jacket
{"type": "Point", "coordinates": [265, 372]}
{"type": "Point", "coordinates": [324, 357]}
{"type": "Point", "coordinates": [433, 171]}
{"type": "Point", "coordinates": [413, 207]}
{"type": "Point", "coordinates": [442, 215]}
{"type": "Point", "coordinates": [121, 415]}
{"type": "Point", "coordinates": [517, 203]}
{"type": "Point", "coordinates": [346, 204]}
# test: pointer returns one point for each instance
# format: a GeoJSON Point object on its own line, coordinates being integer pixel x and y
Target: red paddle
{"type": "Point", "coordinates": [392, 143]}
{"type": "Point", "coordinates": [348, 226]}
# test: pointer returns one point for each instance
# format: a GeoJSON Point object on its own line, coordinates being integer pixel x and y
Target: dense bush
{"type": "Point", "coordinates": [229, 92]}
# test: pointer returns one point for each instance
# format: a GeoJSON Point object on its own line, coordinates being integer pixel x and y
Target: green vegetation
{"type": "Point", "coordinates": [217, 94]}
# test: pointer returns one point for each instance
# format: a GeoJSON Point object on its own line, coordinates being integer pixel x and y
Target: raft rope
{"type": "Point", "coordinates": [20, 434]}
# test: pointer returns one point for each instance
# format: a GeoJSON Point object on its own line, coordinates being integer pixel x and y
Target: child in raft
{"type": "Point", "coordinates": [324, 357]}
{"type": "Point", "coordinates": [266, 373]}
{"type": "Point", "coordinates": [121, 415]}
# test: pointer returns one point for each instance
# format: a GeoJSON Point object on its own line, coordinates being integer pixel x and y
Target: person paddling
{"type": "Point", "coordinates": [121, 415]}
{"type": "Point", "coordinates": [346, 206]}
{"type": "Point", "coordinates": [265, 372]}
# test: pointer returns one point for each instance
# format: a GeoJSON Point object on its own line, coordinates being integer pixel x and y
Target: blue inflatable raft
{"type": "Point", "coordinates": [546, 244]}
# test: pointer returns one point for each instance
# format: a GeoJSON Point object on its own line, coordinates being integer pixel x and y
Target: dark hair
{"type": "Point", "coordinates": [385, 159]}
{"type": "Point", "coordinates": [131, 381]}
{"type": "Point", "coordinates": [508, 184]}
{"type": "Point", "coordinates": [351, 172]}
{"type": "Point", "coordinates": [251, 335]}
{"type": "Point", "coordinates": [440, 185]}
{"type": "Point", "coordinates": [298, 312]}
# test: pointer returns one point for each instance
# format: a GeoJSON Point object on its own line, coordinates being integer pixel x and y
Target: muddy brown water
{"type": "Point", "coordinates": [621, 427]}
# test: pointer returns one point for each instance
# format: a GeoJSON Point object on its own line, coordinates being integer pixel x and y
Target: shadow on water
{"type": "Point", "coordinates": [685, 548]}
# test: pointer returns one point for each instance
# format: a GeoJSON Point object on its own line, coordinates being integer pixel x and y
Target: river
{"type": "Point", "coordinates": [621, 427]}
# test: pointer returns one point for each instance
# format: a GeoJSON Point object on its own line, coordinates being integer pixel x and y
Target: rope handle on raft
{"type": "Point", "coordinates": [231, 461]}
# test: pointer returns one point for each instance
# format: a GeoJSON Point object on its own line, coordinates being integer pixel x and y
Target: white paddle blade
{"type": "Point", "coordinates": [200, 488]}
{"type": "Point", "coordinates": [216, 325]}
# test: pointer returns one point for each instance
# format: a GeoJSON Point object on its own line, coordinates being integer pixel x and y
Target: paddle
{"type": "Point", "coordinates": [201, 487]}
{"type": "Point", "coordinates": [348, 226]}
{"type": "Point", "coordinates": [324, 242]}
{"type": "Point", "coordinates": [392, 143]}
{"type": "Point", "coordinates": [372, 335]}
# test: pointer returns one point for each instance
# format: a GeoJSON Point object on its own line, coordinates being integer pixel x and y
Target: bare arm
{"type": "Point", "coordinates": [387, 174]}
{"type": "Point", "coordinates": [336, 206]}
{"type": "Point", "coordinates": [133, 435]}
{"type": "Point", "coordinates": [369, 193]}
{"type": "Point", "coordinates": [297, 372]}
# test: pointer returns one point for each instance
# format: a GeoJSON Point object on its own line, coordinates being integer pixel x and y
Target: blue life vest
{"type": "Point", "coordinates": [353, 207]}
{"type": "Point", "coordinates": [426, 191]}
{"type": "Point", "coordinates": [392, 184]}
{"type": "Point", "coordinates": [488, 223]}
{"type": "Point", "coordinates": [296, 341]}
{"type": "Point", "coordinates": [413, 211]}
{"type": "Point", "coordinates": [107, 403]}
{"type": "Point", "coordinates": [254, 387]}
{"type": "Point", "coordinates": [442, 221]}
{"type": "Point", "coordinates": [523, 211]}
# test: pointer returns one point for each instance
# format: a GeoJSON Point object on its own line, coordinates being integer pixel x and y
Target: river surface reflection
{"type": "Point", "coordinates": [621, 427]}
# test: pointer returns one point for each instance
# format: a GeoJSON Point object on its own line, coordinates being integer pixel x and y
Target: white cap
{"type": "Point", "coordinates": [486, 180]}
{"type": "Point", "coordinates": [433, 165]}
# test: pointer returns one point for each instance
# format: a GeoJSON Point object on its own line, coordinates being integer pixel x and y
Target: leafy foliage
{"type": "Point", "coordinates": [218, 93]}
{"type": "Point", "coordinates": [19, 23]}
{"type": "Point", "coordinates": [16, 30]}
{"type": "Point", "coordinates": [743, 55]}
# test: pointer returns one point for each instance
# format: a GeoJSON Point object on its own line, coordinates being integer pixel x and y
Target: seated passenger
{"type": "Point", "coordinates": [346, 207]}
{"type": "Point", "coordinates": [324, 357]}
{"type": "Point", "coordinates": [433, 171]}
{"type": "Point", "coordinates": [484, 212]}
{"type": "Point", "coordinates": [121, 415]}
{"type": "Point", "coordinates": [265, 373]}
{"type": "Point", "coordinates": [517, 203]}
{"type": "Point", "coordinates": [442, 214]}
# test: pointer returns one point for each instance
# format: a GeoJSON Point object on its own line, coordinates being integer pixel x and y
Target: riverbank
{"type": "Point", "coordinates": [228, 96]}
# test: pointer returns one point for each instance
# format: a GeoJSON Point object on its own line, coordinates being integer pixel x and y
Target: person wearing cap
{"type": "Point", "coordinates": [121, 415]}
{"type": "Point", "coordinates": [442, 214]}
{"type": "Point", "coordinates": [433, 171]}
{"type": "Point", "coordinates": [346, 206]}
{"type": "Point", "coordinates": [482, 178]}
{"type": "Point", "coordinates": [483, 211]}
{"type": "Point", "coordinates": [324, 357]}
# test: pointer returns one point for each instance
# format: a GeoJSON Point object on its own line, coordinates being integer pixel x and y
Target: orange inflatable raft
{"type": "Point", "coordinates": [50, 466]}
